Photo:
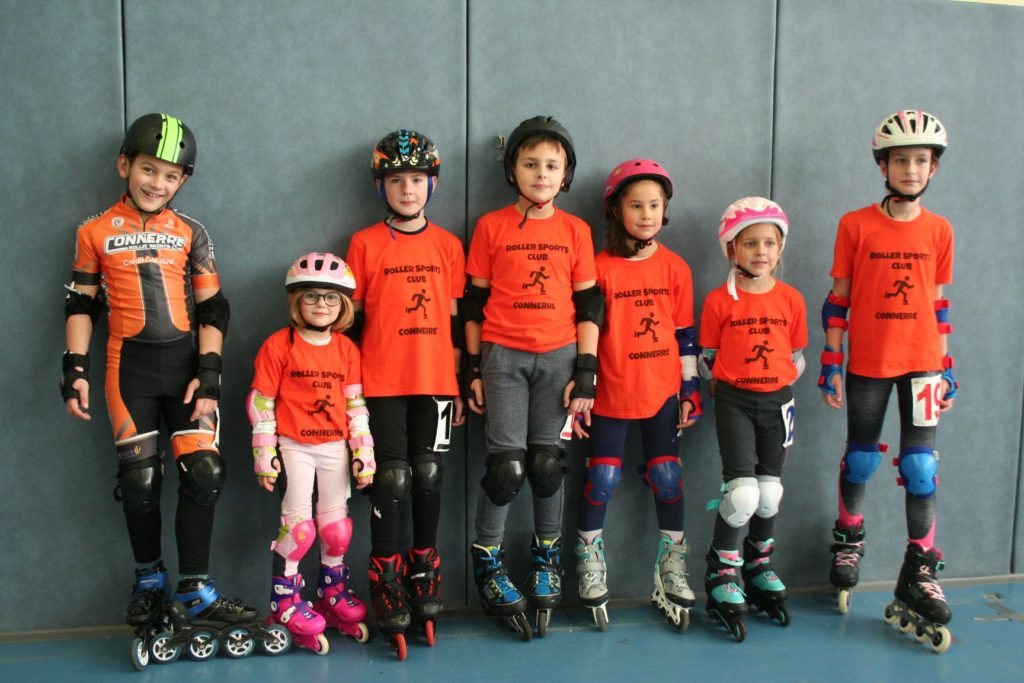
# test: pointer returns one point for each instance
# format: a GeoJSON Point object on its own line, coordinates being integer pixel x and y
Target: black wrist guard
{"type": "Point", "coordinates": [584, 376]}
{"type": "Point", "coordinates": [73, 361]}
{"type": "Point", "coordinates": [208, 375]}
{"type": "Point", "coordinates": [470, 371]}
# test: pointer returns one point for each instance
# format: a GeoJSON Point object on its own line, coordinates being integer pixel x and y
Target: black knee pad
{"type": "Point", "coordinates": [391, 485]}
{"type": "Point", "coordinates": [138, 485]}
{"type": "Point", "coordinates": [201, 477]}
{"type": "Point", "coordinates": [504, 476]}
{"type": "Point", "coordinates": [427, 475]}
{"type": "Point", "coordinates": [545, 466]}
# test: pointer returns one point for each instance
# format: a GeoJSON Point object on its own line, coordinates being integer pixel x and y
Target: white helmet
{"type": "Point", "coordinates": [746, 212]}
{"type": "Point", "coordinates": [909, 128]}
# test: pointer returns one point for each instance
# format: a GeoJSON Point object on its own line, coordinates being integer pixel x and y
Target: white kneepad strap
{"type": "Point", "coordinates": [771, 496]}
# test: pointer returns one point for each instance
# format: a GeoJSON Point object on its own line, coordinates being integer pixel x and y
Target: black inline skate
{"type": "Point", "coordinates": [544, 583]}
{"type": "Point", "coordinates": [919, 606]}
{"type": "Point", "coordinates": [848, 548]}
{"type": "Point", "coordinates": [499, 595]}
{"type": "Point", "coordinates": [387, 594]}
{"type": "Point", "coordinates": [764, 589]}
{"type": "Point", "coordinates": [424, 587]}
{"type": "Point", "coordinates": [726, 603]}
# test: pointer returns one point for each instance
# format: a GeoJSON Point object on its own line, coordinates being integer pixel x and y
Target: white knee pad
{"type": "Point", "coordinates": [771, 496]}
{"type": "Point", "coordinates": [739, 502]}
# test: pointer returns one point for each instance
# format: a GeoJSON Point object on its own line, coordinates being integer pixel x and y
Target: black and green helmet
{"type": "Point", "coordinates": [164, 137]}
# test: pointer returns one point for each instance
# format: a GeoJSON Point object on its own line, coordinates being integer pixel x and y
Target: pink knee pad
{"type": "Point", "coordinates": [335, 532]}
{"type": "Point", "coordinates": [292, 543]}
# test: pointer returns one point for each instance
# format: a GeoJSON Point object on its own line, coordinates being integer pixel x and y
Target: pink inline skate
{"type": "Point", "coordinates": [289, 609]}
{"type": "Point", "coordinates": [339, 605]}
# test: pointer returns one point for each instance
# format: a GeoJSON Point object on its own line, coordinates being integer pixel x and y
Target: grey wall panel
{"type": "Point", "coordinates": [62, 112]}
{"type": "Point", "coordinates": [842, 67]}
{"type": "Point", "coordinates": [687, 83]}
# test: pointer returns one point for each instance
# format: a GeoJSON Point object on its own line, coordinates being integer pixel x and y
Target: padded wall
{"type": "Point", "coordinates": [733, 97]}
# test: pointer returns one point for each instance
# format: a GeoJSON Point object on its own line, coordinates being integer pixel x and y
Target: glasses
{"type": "Point", "coordinates": [332, 299]}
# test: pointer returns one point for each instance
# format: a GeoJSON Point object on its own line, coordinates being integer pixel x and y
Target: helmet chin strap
{"type": "Point", "coordinates": [896, 195]}
{"type": "Point", "coordinates": [533, 205]}
{"type": "Point", "coordinates": [737, 270]}
{"type": "Point", "coordinates": [316, 328]}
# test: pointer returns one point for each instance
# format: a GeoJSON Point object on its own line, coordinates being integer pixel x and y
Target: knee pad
{"type": "Point", "coordinates": [861, 461]}
{"type": "Point", "coordinates": [335, 532]}
{"type": "Point", "coordinates": [294, 540]}
{"type": "Point", "coordinates": [545, 467]}
{"type": "Point", "coordinates": [201, 477]}
{"type": "Point", "coordinates": [427, 476]}
{"type": "Point", "coordinates": [665, 477]}
{"type": "Point", "coordinates": [918, 465]}
{"type": "Point", "coordinates": [603, 477]}
{"type": "Point", "coordinates": [770, 489]}
{"type": "Point", "coordinates": [739, 501]}
{"type": "Point", "coordinates": [391, 485]}
{"type": "Point", "coordinates": [138, 485]}
{"type": "Point", "coordinates": [504, 475]}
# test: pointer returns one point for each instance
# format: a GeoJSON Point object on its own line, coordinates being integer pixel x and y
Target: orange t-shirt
{"type": "Point", "coordinates": [755, 336]}
{"type": "Point", "coordinates": [638, 356]}
{"type": "Point", "coordinates": [308, 384]}
{"type": "Point", "coordinates": [894, 269]}
{"type": "Point", "coordinates": [147, 273]}
{"type": "Point", "coordinates": [407, 282]}
{"type": "Point", "coordinates": [531, 270]}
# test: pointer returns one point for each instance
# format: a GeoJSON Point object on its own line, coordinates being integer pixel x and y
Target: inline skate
{"type": "Point", "coordinates": [148, 611]}
{"type": "Point", "coordinates": [726, 603]}
{"type": "Point", "coordinates": [424, 588]}
{"type": "Point", "coordinates": [387, 595]}
{"type": "Point", "coordinates": [764, 589]}
{"type": "Point", "coordinates": [200, 619]}
{"type": "Point", "coordinates": [919, 606]}
{"type": "Point", "coordinates": [498, 594]}
{"type": "Point", "coordinates": [544, 582]}
{"type": "Point", "coordinates": [593, 572]}
{"type": "Point", "coordinates": [288, 609]}
{"type": "Point", "coordinates": [338, 604]}
{"type": "Point", "coordinates": [672, 594]}
{"type": "Point", "coordinates": [847, 549]}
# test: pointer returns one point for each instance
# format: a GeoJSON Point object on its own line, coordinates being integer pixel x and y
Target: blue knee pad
{"type": "Point", "coordinates": [664, 475]}
{"type": "Point", "coordinates": [603, 477]}
{"type": "Point", "coordinates": [918, 465]}
{"type": "Point", "coordinates": [861, 461]}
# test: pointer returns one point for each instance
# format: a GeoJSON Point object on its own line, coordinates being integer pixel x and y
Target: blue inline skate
{"type": "Point", "coordinates": [544, 583]}
{"type": "Point", "coordinates": [499, 595]}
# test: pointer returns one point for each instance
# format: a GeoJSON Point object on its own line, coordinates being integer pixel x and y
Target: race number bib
{"type": "Point", "coordinates": [927, 392]}
{"type": "Point", "coordinates": [443, 434]}
{"type": "Point", "coordinates": [789, 420]}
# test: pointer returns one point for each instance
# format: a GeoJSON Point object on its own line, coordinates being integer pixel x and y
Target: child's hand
{"type": "Point", "coordinates": [267, 482]}
{"type": "Point", "coordinates": [685, 408]}
{"type": "Point", "coordinates": [579, 404]}
{"type": "Point", "coordinates": [267, 466]}
{"type": "Point", "coordinates": [835, 400]}
{"type": "Point", "coordinates": [363, 466]}
{"type": "Point", "coordinates": [578, 423]}
{"type": "Point", "coordinates": [945, 404]}
{"type": "Point", "coordinates": [77, 407]}
{"type": "Point", "coordinates": [476, 401]}
{"type": "Point", "coordinates": [460, 412]}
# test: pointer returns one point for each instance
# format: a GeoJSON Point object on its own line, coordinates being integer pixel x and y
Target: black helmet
{"type": "Point", "coordinates": [539, 125]}
{"type": "Point", "coordinates": [164, 137]}
{"type": "Point", "coordinates": [404, 150]}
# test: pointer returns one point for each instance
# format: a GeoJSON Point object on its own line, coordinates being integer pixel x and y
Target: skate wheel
{"type": "Point", "coordinates": [428, 631]}
{"type": "Point", "coordinates": [739, 631]}
{"type": "Point", "coordinates": [322, 646]}
{"type": "Point", "coordinates": [398, 640]}
{"type": "Point", "coordinates": [522, 625]}
{"type": "Point", "coordinates": [543, 618]}
{"type": "Point", "coordinates": [844, 601]}
{"type": "Point", "coordinates": [139, 654]}
{"type": "Point", "coordinates": [601, 617]}
{"type": "Point", "coordinates": [364, 633]}
{"type": "Point", "coordinates": [921, 635]}
{"type": "Point", "coordinates": [278, 640]}
{"type": "Point", "coordinates": [941, 640]}
{"type": "Point", "coordinates": [202, 646]}
{"type": "Point", "coordinates": [889, 615]}
{"type": "Point", "coordinates": [782, 615]}
{"type": "Point", "coordinates": [239, 643]}
{"type": "Point", "coordinates": [905, 625]}
{"type": "Point", "coordinates": [684, 621]}
{"type": "Point", "coordinates": [161, 651]}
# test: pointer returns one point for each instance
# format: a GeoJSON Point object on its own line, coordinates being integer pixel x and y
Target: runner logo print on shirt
{"type": "Point", "coordinates": [648, 324]}
{"type": "Point", "coordinates": [420, 300]}
{"type": "Point", "coordinates": [320, 406]}
{"type": "Point", "coordinates": [760, 352]}
{"type": "Point", "coordinates": [538, 279]}
{"type": "Point", "coordinates": [900, 288]}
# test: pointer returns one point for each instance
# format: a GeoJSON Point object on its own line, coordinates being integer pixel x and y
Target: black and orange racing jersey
{"type": "Point", "coordinates": [148, 273]}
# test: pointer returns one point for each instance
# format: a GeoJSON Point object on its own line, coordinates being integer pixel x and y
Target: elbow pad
{"type": "Point", "coordinates": [214, 312]}
{"type": "Point", "coordinates": [355, 330]}
{"type": "Point", "coordinates": [834, 310]}
{"type": "Point", "coordinates": [942, 316]}
{"type": "Point", "coordinates": [76, 303]}
{"type": "Point", "coordinates": [589, 304]}
{"type": "Point", "coordinates": [473, 301]}
{"type": "Point", "coordinates": [458, 332]}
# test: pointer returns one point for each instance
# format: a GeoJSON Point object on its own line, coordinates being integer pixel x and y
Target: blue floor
{"type": "Point", "coordinates": [819, 645]}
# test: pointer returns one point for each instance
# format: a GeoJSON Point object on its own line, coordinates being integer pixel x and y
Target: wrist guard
{"type": "Point", "coordinates": [208, 375]}
{"type": "Point", "coordinates": [831, 365]}
{"type": "Point", "coordinates": [470, 371]}
{"type": "Point", "coordinates": [584, 377]}
{"type": "Point", "coordinates": [71, 362]}
{"type": "Point", "coordinates": [834, 311]}
{"type": "Point", "coordinates": [689, 392]}
{"type": "Point", "coordinates": [947, 374]}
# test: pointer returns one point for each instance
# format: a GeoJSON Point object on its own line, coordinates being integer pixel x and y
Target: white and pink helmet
{"type": "Point", "coordinates": [749, 211]}
{"type": "Point", "coordinates": [909, 128]}
{"type": "Point", "coordinates": [319, 269]}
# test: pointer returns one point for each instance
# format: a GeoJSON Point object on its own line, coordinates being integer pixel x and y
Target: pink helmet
{"type": "Point", "coordinates": [633, 170]}
{"type": "Point", "coordinates": [748, 211]}
{"type": "Point", "coordinates": [909, 128]}
{"type": "Point", "coordinates": [318, 269]}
